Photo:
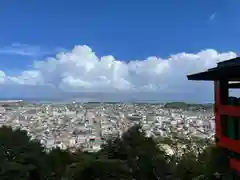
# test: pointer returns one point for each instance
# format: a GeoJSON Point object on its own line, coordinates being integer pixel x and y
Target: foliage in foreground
{"type": "Point", "coordinates": [133, 156]}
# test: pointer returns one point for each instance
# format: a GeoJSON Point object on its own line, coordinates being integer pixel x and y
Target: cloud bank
{"type": "Point", "coordinates": [82, 71]}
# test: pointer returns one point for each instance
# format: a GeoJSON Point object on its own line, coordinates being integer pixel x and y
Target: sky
{"type": "Point", "coordinates": [136, 49]}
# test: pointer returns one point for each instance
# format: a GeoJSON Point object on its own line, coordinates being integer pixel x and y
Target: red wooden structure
{"type": "Point", "coordinates": [227, 109]}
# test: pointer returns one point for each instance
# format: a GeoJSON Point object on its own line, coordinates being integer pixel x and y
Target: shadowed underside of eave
{"type": "Point", "coordinates": [230, 73]}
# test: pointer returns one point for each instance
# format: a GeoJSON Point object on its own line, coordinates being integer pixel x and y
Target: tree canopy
{"type": "Point", "coordinates": [133, 156]}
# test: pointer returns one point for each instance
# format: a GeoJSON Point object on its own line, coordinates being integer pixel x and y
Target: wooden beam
{"type": "Point", "coordinates": [233, 85]}
{"type": "Point", "coordinates": [229, 110]}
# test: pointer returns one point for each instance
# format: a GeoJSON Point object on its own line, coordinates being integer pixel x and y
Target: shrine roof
{"type": "Point", "coordinates": [226, 70]}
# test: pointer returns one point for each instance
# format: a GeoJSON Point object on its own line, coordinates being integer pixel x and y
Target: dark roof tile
{"type": "Point", "coordinates": [229, 70]}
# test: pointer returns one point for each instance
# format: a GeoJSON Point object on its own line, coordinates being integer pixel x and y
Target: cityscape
{"type": "Point", "coordinates": [88, 125]}
{"type": "Point", "coordinates": [119, 90]}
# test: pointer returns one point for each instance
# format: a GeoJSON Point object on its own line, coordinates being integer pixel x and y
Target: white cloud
{"type": "Point", "coordinates": [212, 17]}
{"type": "Point", "coordinates": [82, 71]}
{"type": "Point", "coordinates": [26, 50]}
{"type": "Point", "coordinates": [2, 77]}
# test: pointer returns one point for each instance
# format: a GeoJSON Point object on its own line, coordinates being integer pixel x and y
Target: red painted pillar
{"type": "Point", "coordinates": [217, 104]}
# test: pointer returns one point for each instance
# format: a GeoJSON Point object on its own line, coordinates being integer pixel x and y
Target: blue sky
{"type": "Point", "coordinates": [128, 30]}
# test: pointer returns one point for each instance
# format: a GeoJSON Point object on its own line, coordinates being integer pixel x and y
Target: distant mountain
{"type": "Point", "coordinates": [183, 105]}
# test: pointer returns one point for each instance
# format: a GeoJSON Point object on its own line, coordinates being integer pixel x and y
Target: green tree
{"type": "Point", "coordinates": [214, 160]}
{"type": "Point", "coordinates": [104, 169]}
{"type": "Point", "coordinates": [144, 158]}
{"type": "Point", "coordinates": [21, 158]}
{"type": "Point", "coordinates": [58, 160]}
{"type": "Point", "coordinates": [133, 156]}
{"type": "Point", "coordinates": [187, 168]}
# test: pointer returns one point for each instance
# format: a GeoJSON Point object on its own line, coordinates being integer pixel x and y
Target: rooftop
{"type": "Point", "coordinates": [227, 70]}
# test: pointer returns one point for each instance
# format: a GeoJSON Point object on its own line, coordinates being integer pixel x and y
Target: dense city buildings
{"type": "Point", "coordinates": [88, 125]}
